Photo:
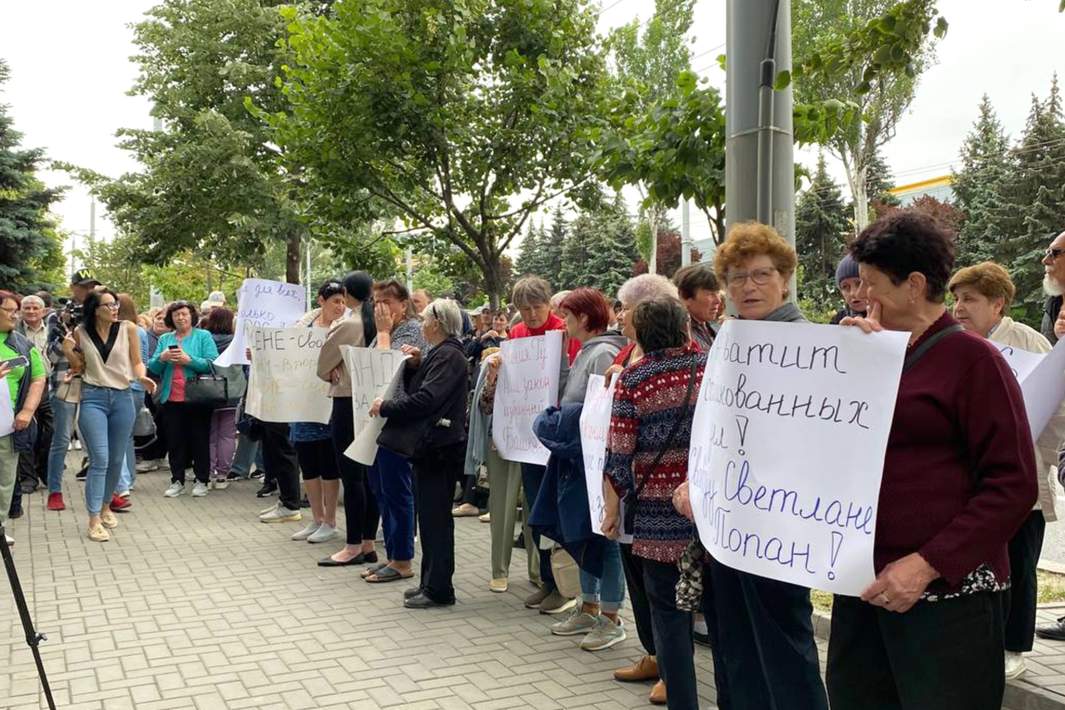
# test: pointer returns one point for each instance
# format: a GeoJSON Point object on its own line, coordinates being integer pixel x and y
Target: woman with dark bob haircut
{"type": "Point", "coordinates": [182, 354]}
{"type": "Point", "coordinates": [959, 479]}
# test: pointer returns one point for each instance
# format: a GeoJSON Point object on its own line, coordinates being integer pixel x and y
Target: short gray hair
{"type": "Point", "coordinates": [37, 300]}
{"type": "Point", "coordinates": [448, 314]}
{"type": "Point", "coordinates": [531, 291]}
{"type": "Point", "coordinates": [645, 287]}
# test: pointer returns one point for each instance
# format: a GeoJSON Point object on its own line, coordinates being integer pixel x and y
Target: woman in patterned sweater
{"type": "Point", "coordinates": [647, 458]}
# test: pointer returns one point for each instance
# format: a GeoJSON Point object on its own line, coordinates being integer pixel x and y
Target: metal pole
{"type": "Point", "coordinates": [759, 167]}
{"type": "Point", "coordinates": [685, 233]}
{"type": "Point", "coordinates": [310, 286]}
{"type": "Point", "coordinates": [33, 638]}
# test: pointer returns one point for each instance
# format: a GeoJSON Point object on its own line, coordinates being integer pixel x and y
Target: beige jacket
{"type": "Point", "coordinates": [347, 331]}
{"type": "Point", "coordinates": [1018, 335]}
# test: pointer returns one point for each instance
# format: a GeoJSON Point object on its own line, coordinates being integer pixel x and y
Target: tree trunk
{"type": "Point", "coordinates": [652, 258]}
{"type": "Point", "coordinates": [861, 200]}
{"type": "Point", "coordinates": [292, 259]}
{"type": "Point", "coordinates": [493, 281]}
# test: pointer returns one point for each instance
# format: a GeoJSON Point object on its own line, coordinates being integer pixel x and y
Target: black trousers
{"type": "Point", "coordinates": [279, 456]}
{"type": "Point", "coordinates": [945, 655]}
{"type": "Point", "coordinates": [673, 635]}
{"type": "Point", "coordinates": [641, 608]}
{"type": "Point", "coordinates": [765, 646]}
{"type": "Point", "coordinates": [436, 472]}
{"type": "Point", "coordinates": [188, 438]}
{"type": "Point", "coordinates": [33, 465]}
{"type": "Point", "coordinates": [1024, 549]}
{"type": "Point", "coordinates": [361, 515]}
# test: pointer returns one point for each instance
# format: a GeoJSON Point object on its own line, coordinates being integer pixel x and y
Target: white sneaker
{"type": "Point", "coordinates": [124, 494]}
{"type": "Point", "coordinates": [305, 532]}
{"type": "Point", "coordinates": [281, 514]}
{"type": "Point", "coordinates": [324, 533]}
{"type": "Point", "coordinates": [220, 485]}
{"type": "Point", "coordinates": [267, 511]}
{"type": "Point", "coordinates": [10, 540]}
{"type": "Point", "coordinates": [1015, 667]}
{"type": "Point", "coordinates": [147, 466]}
{"type": "Point", "coordinates": [174, 490]}
{"type": "Point", "coordinates": [199, 490]}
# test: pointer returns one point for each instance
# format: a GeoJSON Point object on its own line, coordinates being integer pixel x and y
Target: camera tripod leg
{"type": "Point", "coordinates": [33, 639]}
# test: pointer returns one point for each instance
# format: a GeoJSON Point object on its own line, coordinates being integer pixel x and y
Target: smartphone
{"type": "Point", "coordinates": [173, 347]}
{"type": "Point", "coordinates": [14, 362]}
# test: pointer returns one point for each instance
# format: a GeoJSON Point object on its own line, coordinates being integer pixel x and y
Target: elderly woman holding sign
{"type": "Point", "coordinates": [983, 294]}
{"type": "Point", "coordinates": [427, 424]}
{"type": "Point", "coordinates": [959, 480]}
{"type": "Point", "coordinates": [765, 654]}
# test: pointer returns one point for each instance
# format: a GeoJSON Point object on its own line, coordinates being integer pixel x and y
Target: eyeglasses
{"type": "Point", "coordinates": [1053, 254]}
{"type": "Point", "coordinates": [9, 311]}
{"type": "Point", "coordinates": [112, 306]}
{"type": "Point", "coordinates": [760, 277]}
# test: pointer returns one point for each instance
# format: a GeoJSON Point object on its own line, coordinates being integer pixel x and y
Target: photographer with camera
{"type": "Point", "coordinates": [65, 383]}
{"type": "Point", "coordinates": [23, 371]}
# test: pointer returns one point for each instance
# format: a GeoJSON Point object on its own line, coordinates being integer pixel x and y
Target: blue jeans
{"type": "Point", "coordinates": [390, 482]}
{"type": "Point", "coordinates": [248, 452]}
{"type": "Point", "coordinates": [609, 590]}
{"type": "Point", "coordinates": [106, 422]}
{"type": "Point", "coordinates": [63, 423]}
{"type": "Point", "coordinates": [129, 468]}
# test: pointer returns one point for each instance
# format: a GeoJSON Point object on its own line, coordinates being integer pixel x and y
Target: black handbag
{"type": "Point", "coordinates": [207, 390]}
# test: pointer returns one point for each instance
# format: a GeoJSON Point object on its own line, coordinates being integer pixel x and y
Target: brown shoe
{"type": "Point", "coordinates": [658, 693]}
{"type": "Point", "coordinates": [644, 669]}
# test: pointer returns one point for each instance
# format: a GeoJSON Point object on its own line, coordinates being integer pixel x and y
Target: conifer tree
{"type": "Point", "coordinates": [978, 185]}
{"type": "Point", "coordinates": [821, 226]}
{"type": "Point", "coordinates": [27, 233]}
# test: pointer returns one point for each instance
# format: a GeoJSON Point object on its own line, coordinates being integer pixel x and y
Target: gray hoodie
{"type": "Point", "coordinates": [596, 355]}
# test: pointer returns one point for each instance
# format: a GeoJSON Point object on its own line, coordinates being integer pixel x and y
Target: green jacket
{"type": "Point", "coordinates": [198, 344]}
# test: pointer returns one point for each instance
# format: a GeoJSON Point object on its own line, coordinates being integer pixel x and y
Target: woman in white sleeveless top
{"type": "Point", "coordinates": [107, 352]}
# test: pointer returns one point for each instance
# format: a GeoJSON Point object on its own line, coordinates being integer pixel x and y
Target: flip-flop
{"type": "Point", "coordinates": [387, 574]}
{"type": "Point", "coordinates": [372, 569]}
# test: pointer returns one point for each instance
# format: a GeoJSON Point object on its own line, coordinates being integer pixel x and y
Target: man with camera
{"type": "Point", "coordinates": [65, 385]}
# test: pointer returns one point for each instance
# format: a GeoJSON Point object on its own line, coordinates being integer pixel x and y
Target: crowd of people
{"type": "Point", "coordinates": [965, 495]}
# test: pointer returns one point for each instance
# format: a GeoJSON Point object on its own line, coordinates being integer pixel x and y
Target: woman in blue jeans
{"type": "Point", "coordinates": [107, 352]}
{"type": "Point", "coordinates": [390, 476]}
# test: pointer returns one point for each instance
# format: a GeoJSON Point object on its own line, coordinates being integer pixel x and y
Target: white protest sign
{"type": "Point", "coordinates": [374, 373]}
{"type": "Point", "coordinates": [283, 385]}
{"type": "Point", "coordinates": [595, 425]}
{"type": "Point", "coordinates": [1044, 389]}
{"type": "Point", "coordinates": [7, 411]}
{"type": "Point", "coordinates": [270, 304]}
{"type": "Point", "coordinates": [787, 449]}
{"type": "Point", "coordinates": [1022, 362]}
{"type": "Point", "coordinates": [527, 385]}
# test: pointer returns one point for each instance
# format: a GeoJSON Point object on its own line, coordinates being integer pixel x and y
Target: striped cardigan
{"type": "Point", "coordinates": [647, 400]}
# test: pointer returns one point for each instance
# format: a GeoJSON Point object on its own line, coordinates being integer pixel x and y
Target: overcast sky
{"type": "Point", "coordinates": [71, 71]}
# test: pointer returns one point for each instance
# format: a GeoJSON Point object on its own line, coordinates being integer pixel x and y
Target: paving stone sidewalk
{"type": "Point", "coordinates": [195, 604]}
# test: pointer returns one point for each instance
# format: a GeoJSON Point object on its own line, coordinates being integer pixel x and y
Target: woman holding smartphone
{"type": "Point", "coordinates": [107, 351]}
{"type": "Point", "coordinates": [182, 354]}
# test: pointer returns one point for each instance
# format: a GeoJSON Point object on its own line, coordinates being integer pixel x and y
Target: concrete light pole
{"type": "Point", "coordinates": [759, 166]}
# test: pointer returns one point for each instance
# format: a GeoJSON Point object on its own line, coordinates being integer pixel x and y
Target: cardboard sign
{"type": "Point", "coordinates": [527, 385]}
{"type": "Point", "coordinates": [283, 385]}
{"type": "Point", "coordinates": [262, 303]}
{"type": "Point", "coordinates": [374, 373]}
{"type": "Point", "coordinates": [787, 449]}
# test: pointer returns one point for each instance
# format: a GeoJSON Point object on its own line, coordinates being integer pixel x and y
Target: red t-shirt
{"type": "Point", "coordinates": [553, 323]}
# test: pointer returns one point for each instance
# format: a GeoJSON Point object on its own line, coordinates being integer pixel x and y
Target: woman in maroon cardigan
{"type": "Point", "coordinates": [959, 478]}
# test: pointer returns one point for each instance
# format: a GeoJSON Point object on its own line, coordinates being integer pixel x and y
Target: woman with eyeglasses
{"type": "Point", "coordinates": [107, 351]}
{"type": "Point", "coordinates": [314, 441]}
{"type": "Point", "coordinates": [760, 629]}
{"type": "Point", "coordinates": [182, 354]}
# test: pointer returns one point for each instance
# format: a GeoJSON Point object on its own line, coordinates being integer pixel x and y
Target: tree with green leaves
{"type": "Point", "coordinates": [611, 261]}
{"type": "Point", "coordinates": [214, 178]}
{"type": "Point", "coordinates": [464, 117]}
{"type": "Point", "coordinates": [582, 240]}
{"type": "Point", "coordinates": [821, 229]}
{"type": "Point", "coordinates": [530, 259]}
{"type": "Point", "coordinates": [880, 98]}
{"type": "Point", "coordinates": [1031, 206]}
{"type": "Point", "coordinates": [985, 167]}
{"type": "Point", "coordinates": [29, 245]}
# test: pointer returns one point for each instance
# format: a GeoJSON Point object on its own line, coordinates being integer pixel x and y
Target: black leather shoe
{"type": "Point", "coordinates": [421, 601]}
{"type": "Point", "coordinates": [412, 592]}
{"type": "Point", "coordinates": [1052, 632]}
